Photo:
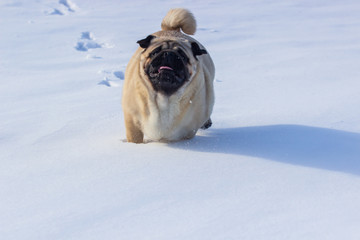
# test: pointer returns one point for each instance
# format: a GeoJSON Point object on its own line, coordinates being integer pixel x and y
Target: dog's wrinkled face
{"type": "Point", "coordinates": [167, 69]}
{"type": "Point", "coordinates": [167, 65]}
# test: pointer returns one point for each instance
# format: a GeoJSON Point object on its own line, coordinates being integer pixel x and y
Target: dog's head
{"type": "Point", "coordinates": [168, 63]}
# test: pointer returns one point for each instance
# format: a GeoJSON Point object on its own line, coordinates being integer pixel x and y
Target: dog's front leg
{"type": "Point", "coordinates": [133, 132]}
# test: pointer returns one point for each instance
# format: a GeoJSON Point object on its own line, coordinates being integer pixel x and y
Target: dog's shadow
{"type": "Point", "coordinates": [293, 144]}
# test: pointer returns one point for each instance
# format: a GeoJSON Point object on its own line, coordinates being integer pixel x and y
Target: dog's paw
{"type": "Point", "coordinates": [207, 124]}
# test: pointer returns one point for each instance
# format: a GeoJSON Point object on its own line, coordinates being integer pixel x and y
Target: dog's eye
{"type": "Point", "coordinates": [182, 56]}
{"type": "Point", "coordinates": [156, 51]}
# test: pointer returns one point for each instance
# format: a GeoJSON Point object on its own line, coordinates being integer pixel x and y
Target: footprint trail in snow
{"type": "Point", "coordinates": [87, 43]}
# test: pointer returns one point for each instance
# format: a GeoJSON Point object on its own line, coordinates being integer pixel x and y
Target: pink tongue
{"type": "Point", "coordinates": [165, 68]}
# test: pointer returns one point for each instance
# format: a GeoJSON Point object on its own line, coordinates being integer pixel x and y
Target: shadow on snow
{"type": "Point", "coordinates": [293, 144]}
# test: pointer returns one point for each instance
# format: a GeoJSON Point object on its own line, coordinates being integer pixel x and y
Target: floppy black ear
{"type": "Point", "coordinates": [196, 50]}
{"type": "Point", "coordinates": [144, 43]}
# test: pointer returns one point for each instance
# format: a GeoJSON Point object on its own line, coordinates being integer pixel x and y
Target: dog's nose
{"type": "Point", "coordinates": [168, 58]}
{"type": "Point", "coordinates": [166, 54]}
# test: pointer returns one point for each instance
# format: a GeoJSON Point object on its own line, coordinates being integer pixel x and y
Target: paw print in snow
{"type": "Point", "coordinates": [87, 42]}
{"type": "Point", "coordinates": [63, 8]}
{"type": "Point", "coordinates": [109, 79]}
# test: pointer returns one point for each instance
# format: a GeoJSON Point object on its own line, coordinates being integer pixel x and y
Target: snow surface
{"type": "Point", "coordinates": [282, 160]}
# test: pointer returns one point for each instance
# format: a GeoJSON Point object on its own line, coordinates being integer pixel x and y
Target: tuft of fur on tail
{"type": "Point", "coordinates": [179, 18]}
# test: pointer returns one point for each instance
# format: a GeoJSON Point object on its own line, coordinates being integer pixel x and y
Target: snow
{"type": "Point", "coordinates": [281, 161]}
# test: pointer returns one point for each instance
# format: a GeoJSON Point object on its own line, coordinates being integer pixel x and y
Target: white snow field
{"type": "Point", "coordinates": [281, 161]}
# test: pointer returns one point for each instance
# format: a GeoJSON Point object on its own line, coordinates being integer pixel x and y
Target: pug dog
{"type": "Point", "coordinates": [168, 92]}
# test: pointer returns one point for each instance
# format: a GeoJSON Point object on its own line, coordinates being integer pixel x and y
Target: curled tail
{"type": "Point", "coordinates": [179, 18]}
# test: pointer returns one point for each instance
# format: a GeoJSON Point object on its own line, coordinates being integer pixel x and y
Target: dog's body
{"type": "Point", "coordinates": [168, 91]}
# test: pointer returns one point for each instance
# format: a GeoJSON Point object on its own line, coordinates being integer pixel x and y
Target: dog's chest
{"type": "Point", "coordinates": [162, 121]}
